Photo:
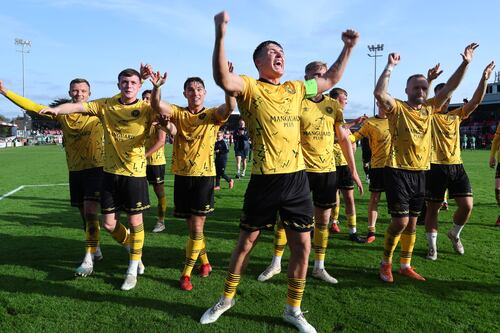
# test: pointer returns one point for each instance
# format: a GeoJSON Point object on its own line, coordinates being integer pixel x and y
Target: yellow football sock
{"type": "Point", "coordinates": [351, 221]}
{"type": "Point", "coordinates": [407, 244]}
{"type": "Point", "coordinates": [320, 241]}
{"type": "Point", "coordinates": [279, 240]}
{"type": "Point", "coordinates": [390, 243]}
{"type": "Point", "coordinates": [92, 232]}
{"type": "Point", "coordinates": [336, 213]}
{"type": "Point", "coordinates": [295, 291]}
{"type": "Point", "coordinates": [120, 234]}
{"type": "Point", "coordinates": [203, 254]}
{"type": "Point", "coordinates": [230, 284]}
{"type": "Point", "coordinates": [136, 242]}
{"type": "Point", "coordinates": [371, 229]}
{"type": "Point", "coordinates": [162, 208]}
{"type": "Point", "coordinates": [193, 248]}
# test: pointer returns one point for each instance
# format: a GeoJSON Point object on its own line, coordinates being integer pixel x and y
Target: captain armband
{"type": "Point", "coordinates": [311, 88]}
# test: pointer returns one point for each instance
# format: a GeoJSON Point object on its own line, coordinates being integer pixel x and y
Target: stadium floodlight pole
{"type": "Point", "coordinates": [373, 54]}
{"type": "Point", "coordinates": [25, 48]}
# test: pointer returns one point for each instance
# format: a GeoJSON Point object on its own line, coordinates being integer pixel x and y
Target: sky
{"type": "Point", "coordinates": [96, 39]}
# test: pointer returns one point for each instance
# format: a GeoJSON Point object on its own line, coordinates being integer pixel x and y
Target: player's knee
{"type": "Point", "coordinates": [109, 226]}
{"type": "Point", "coordinates": [467, 206]}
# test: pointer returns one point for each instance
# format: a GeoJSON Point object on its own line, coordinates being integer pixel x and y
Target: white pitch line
{"type": "Point", "coordinates": [8, 194]}
{"type": "Point", "coordinates": [11, 192]}
{"type": "Point", "coordinates": [23, 186]}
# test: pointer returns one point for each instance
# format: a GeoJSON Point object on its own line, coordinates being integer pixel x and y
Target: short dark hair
{"type": "Point", "coordinates": [335, 92]}
{"type": "Point", "coordinates": [193, 79]}
{"type": "Point", "coordinates": [438, 87]}
{"type": "Point", "coordinates": [414, 76]}
{"type": "Point", "coordinates": [128, 73]}
{"type": "Point", "coordinates": [261, 46]}
{"type": "Point", "coordinates": [147, 91]}
{"type": "Point", "coordinates": [78, 80]}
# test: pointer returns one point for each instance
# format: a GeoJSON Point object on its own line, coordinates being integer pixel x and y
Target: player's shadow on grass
{"type": "Point", "coordinates": [46, 214]}
{"type": "Point", "coordinates": [15, 284]}
{"type": "Point", "coordinates": [52, 255]}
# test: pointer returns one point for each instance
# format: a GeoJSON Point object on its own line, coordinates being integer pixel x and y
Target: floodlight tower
{"type": "Point", "coordinates": [373, 54]}
{"type": "Point", "coordinates": [25, 48]}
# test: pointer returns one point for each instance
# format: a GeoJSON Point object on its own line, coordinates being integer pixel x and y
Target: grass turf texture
{"type": "Point", "coordinates": [41, 243]}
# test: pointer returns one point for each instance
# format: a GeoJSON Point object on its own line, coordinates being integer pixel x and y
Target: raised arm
{"type": "Point", "coordinates": [225, 110]}
{"type": "Point", "coordinates": [386, 101]}
{"type": "Point", "coordinates": [478, 96]}
{"type": "Point", "coordinates": [336, 70]}
{"type": "Point", "coordinates": [20, 101]}
{"type": "Point", "coordinates": [231, 83]}
{"type": "Point", "coordinates": [457, 76]}
{"type": "Point", "coordinates": [66, 108]}
{"type": "Point", "coordinates": [346, 146]}
{"type": "Point", "coordinates": [160, 142]}
{"type": "Point", "coordinates": [162, 108]}
{"type": "Point", "coordinates": [433, 73]}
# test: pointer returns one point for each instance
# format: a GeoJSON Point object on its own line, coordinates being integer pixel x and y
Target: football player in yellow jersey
{"type": "Point", "coordinates": [83, 137]}
{"type": "Point", "coordinates": [126, 121]}
{"type": "Point", "coordinates": [278, 182]}
{"type": "Point", "coordinates": [376, 130]}
{"type": "Point", "coordinates": [447, 170]}
{"type": "Point", "coordinates": [495, 150]}
{"type": "Point", "coordinates": [193, 164]}
{"type": "Point", "coordinates": [321, 120]}
{"type": "Point", "coordinates": [409, 157]}
{"type": "Point", "coordinates": [155, 170]}
{"type": "Point", "coordinates": [345, 183]}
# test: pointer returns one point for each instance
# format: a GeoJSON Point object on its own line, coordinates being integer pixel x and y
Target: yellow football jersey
{"type": "Point", "coordinates": [495, 144]}
{"type": "Point", "coordinates": [446, 137]}
{"type": "Point", "coordinates": [377, 131]}
{"type": "Point", "coordinates": [82, 135]}
{"type": "Point", "coordinates": [193, 152]}
{"type": "Point", "coordinates": [337, 150]}
{"type": "Point", "coordinates": [410, 136]}
{"type": "Point", "coordinates": [272, 115]}
{"type": "Point", "coordinates": [158, 157]}
{"type": "Point", "coordinates": [125, 129]}
{"type": "Point", "coordinates": [317, 126]}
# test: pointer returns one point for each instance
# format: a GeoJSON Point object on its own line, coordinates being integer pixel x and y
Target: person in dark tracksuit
{"type": "Point", "coordinates": [221, 150]}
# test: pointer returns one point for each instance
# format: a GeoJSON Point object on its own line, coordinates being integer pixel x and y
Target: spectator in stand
{"type": "Point", "coordinates": [472, 142]}
{"type": "Point", "coordinates": [241, 148]}
{"type": "Point", "coordinates": [221, 150]}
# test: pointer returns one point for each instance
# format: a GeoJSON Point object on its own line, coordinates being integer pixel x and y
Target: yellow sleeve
{"type": "Point", "coordinates": [25, 103]}
{"type": "Point", "coordinates": [95, 107]}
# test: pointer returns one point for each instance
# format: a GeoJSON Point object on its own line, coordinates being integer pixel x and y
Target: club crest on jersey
{"type": "Point", "coordinates": [202, 116]}
{"type": "Point", "coordinates": [136, 113]}
{"type": "Point", "coordinates": [290, 90]}
{"type": "Point", "coordinates": [329, 110]}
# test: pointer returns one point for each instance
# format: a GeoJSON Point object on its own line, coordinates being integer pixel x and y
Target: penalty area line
{"type": "Point", "coordinates": [8, 194]}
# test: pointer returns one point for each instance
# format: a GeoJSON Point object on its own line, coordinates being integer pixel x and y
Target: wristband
{"type": "Point", "coordinates": [389, 68]}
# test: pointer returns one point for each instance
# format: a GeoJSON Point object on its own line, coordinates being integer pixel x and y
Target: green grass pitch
{"type": "Point", "coordinates": [41, 243]}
